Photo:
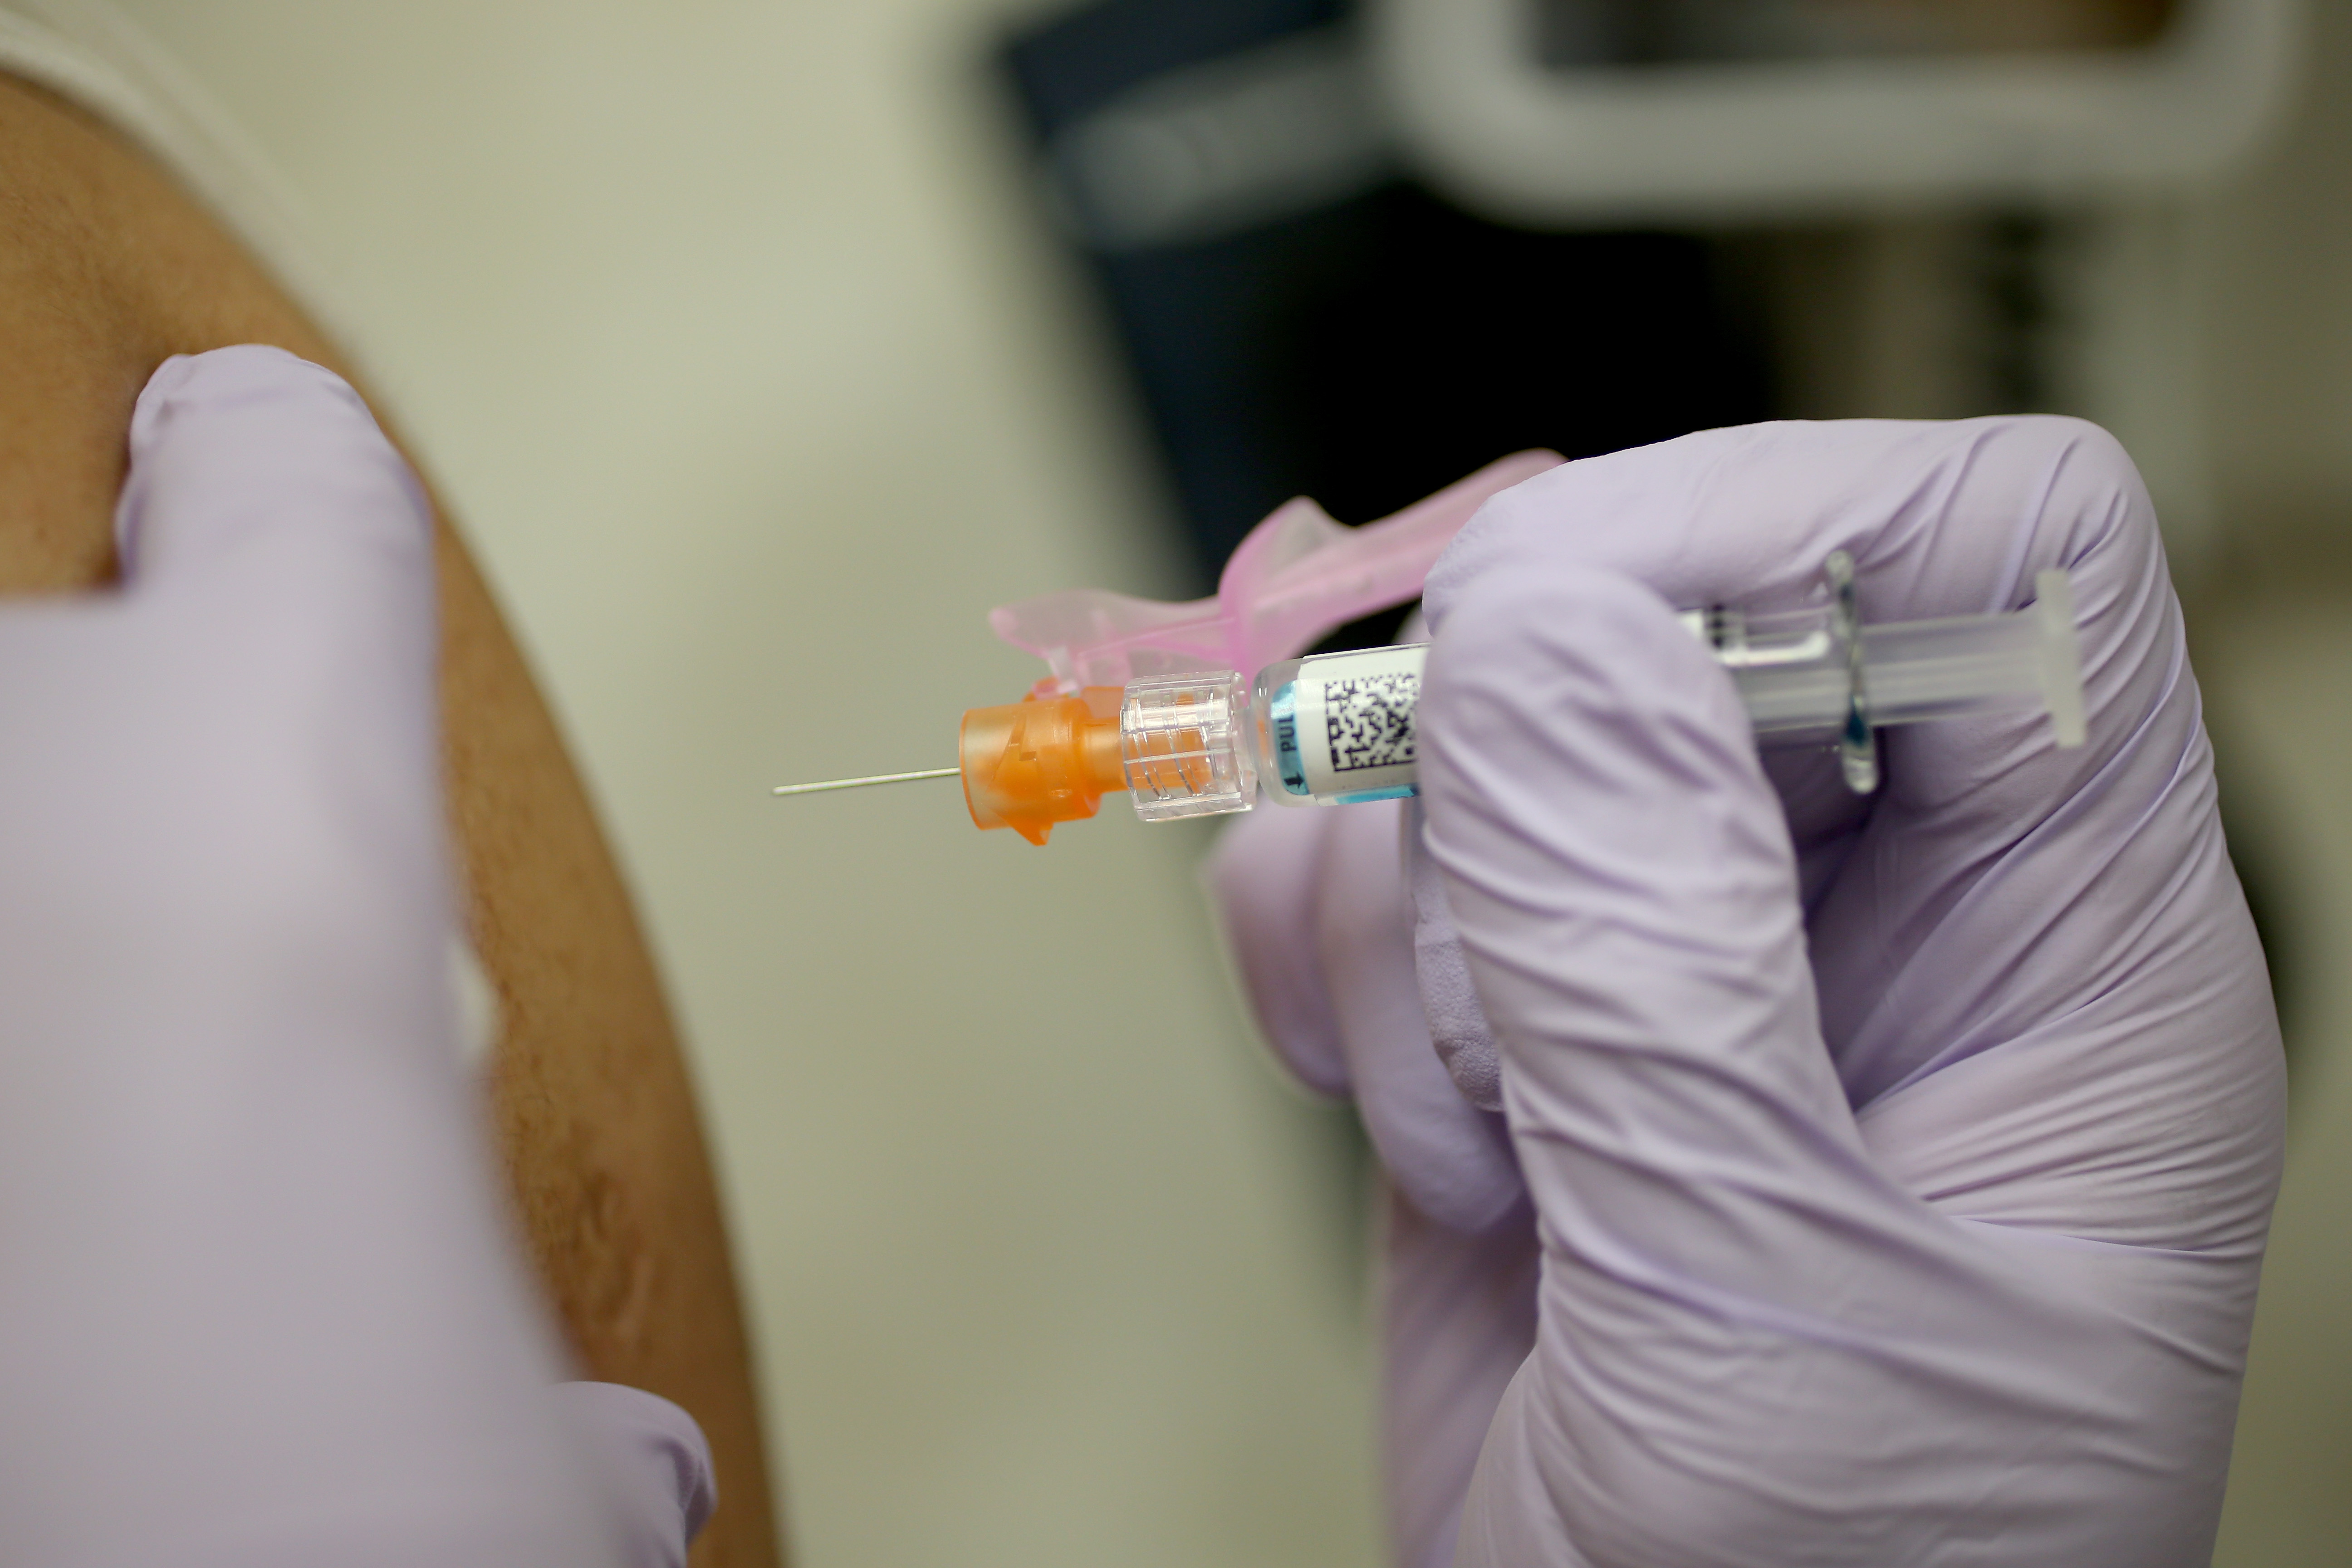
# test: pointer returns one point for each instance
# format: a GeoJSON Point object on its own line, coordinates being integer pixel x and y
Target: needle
{"type": "Point", "coordinates": [860, 783]}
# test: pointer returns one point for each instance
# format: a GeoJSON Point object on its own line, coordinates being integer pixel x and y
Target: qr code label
{"type": "Point", "coordinates": [1369, 719]}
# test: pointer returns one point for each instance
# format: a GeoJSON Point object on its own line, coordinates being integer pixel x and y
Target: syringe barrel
{"type": "Point", "coordinates": [1792, 672]}
{"type": "Point", "coordinates": [1335, 729]}
{"type": "Point", "coordinates": [1912, 670]}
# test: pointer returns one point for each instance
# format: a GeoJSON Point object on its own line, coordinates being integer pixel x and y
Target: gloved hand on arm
{"type": "Point", "coordinates": [256, 1302]}
{"type": "Point", "coordinates": [1900, 1165]}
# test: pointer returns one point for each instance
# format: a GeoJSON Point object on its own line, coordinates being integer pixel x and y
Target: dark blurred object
{"type": "Point", "coordinates": [1662, 32]}
{"type": "Point", "coordinates": [1301, 321]}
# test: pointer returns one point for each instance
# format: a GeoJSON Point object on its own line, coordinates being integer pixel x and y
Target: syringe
{"type": "Point", "coordinates": [1335, 729]}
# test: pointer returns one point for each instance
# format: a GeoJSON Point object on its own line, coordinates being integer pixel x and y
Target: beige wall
{"type": "Point", "coordinates": [2277, 671]}
{"type": "Point", "coordinates": [2275, 653]}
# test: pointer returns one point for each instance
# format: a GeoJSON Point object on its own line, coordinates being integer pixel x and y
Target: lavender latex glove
{"type": "Point", "coordinates": [657, 1471]}
{"type": "Point", "coordinates": [1902, 1166]}
{"type": "Point", "coordinates": [1320, 923]}
{"type": "Point", "coordinates": [257, 1305]}
{"type": "Point", "coordinates": [1319, 920]}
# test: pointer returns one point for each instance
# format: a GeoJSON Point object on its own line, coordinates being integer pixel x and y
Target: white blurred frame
{"type": "Point", "coordinates": [1522, 141]}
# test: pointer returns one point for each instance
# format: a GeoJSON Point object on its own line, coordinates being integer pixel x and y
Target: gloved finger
{"type": "Point", "coordinates": [1741, 1311]}
{"type": "Point", "coordinates": [239, 456]}
{"type": "Point", "coordinates": [1457, 1024]}
{"type": "Point", "coordinates": [1451, 1159]}
{"type": "Point", "coordinates": [1262, 877]}
{"type": "Point", "coordinates": [1621, 878]}
{"type": "Point", "coordinates": [278, 558]}
{"type": "Point", "coordinates": [1314, 914]}
{"type": "Point", "coordinates": [263, 683]}
{"type": "Point", "coordinates": [657, 1467]}
{"type": "Point", "coordinates": [1449, 1003]}
{"type": "Point", "coordinates": [1811, 791]}
{"type": "Point", "coordinates": [1457, 1318]}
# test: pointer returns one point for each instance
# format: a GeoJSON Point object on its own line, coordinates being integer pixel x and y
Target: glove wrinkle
{"type": "Point", "coordinates": [1458, 1316]}
{"type": "Point", "coordinates": [1449, 1001]}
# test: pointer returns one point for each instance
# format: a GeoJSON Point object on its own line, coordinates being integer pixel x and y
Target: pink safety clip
{"type": "Point", "coordinates": [1298, 577]}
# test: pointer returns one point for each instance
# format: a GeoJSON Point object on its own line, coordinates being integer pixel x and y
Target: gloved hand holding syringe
{"type": "Point", "coordinates": [1207, 711]}
{"type": "Point", "coordinates": [1767, 1176]}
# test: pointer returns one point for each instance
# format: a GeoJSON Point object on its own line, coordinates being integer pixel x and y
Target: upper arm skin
{"type": "Point", "coordinates": [106, 268]}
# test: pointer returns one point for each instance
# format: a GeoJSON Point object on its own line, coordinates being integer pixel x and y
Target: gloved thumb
{"type": "Point", "coordinates": [250, 467]}
{"type": "Point", "coordinates": [254, 709]}
{"type": "Point", "coordinates": [279, 598]}
{"type": "Point", "coordinates": [1621, 873]}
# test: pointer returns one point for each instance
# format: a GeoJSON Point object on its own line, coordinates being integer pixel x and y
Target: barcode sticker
{"type": "Point", "coordinates": [1355, 736]}
{"type": "Point", "coordinates": [1368, 719]}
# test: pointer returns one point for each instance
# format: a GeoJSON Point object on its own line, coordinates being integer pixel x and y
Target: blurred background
{"type": "Point", "coordinates": [763, 345]}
